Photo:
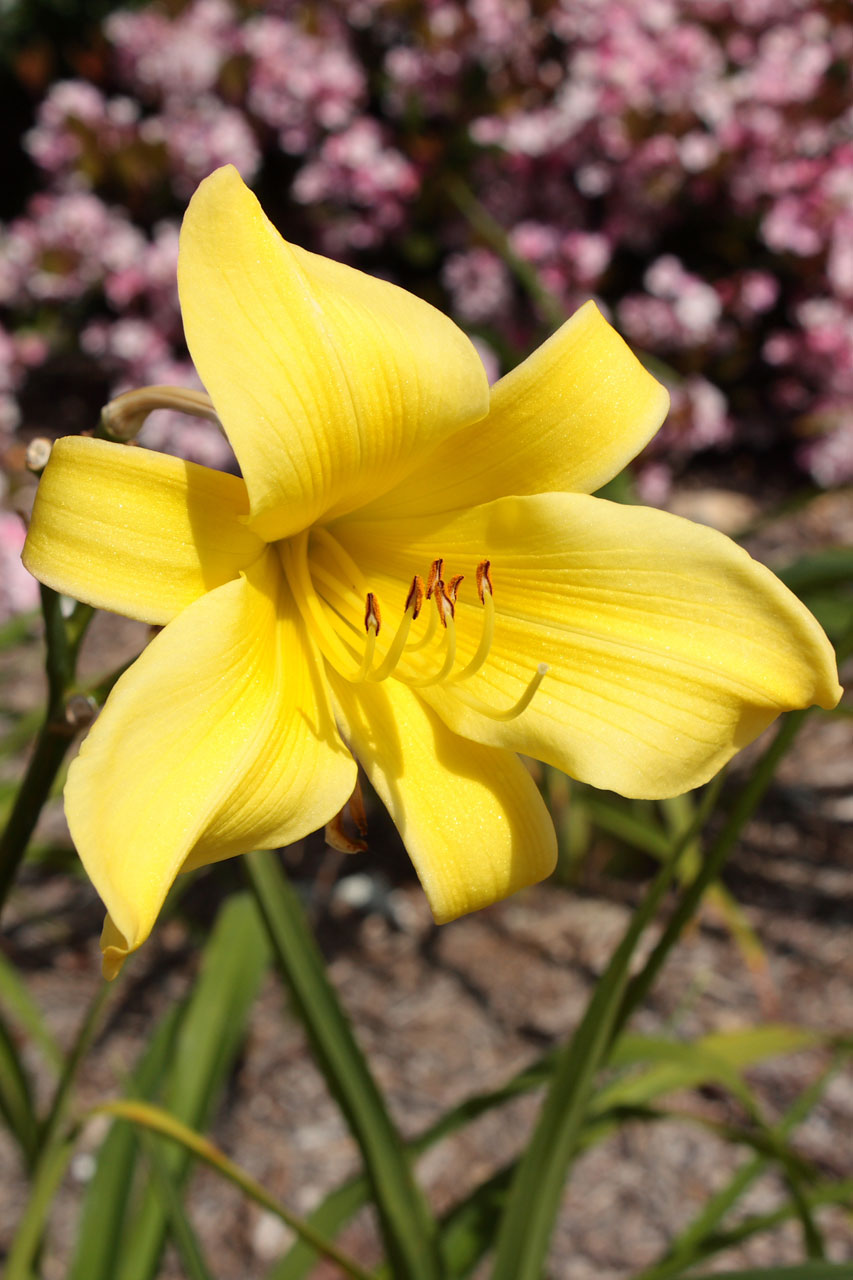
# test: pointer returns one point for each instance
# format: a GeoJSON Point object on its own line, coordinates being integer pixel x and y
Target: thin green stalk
{"type": "Point", "coordinates": [63, 639]}
{"type": "Point", "coordinates": [157, 1120]}
{"type": "Point", "coordinates": [691, 1246]}
{"type": "Point", "coordinates": [537, 1188]}
{"type": "Point", "coordinates": [82, 1043]}
{"type": "Point", "coordinates": [52, 745]}
{"type": "Point", "coordinates": [408, 1229]}
{"type": "Point", "coordinates": [553, 312]}
{"type": "Point", "coordinates": [742, 810]}
{"type": "Point", "coordinates": [49, 1175]}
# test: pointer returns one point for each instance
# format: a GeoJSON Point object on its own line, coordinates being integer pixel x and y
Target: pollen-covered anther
{"type": "Point", "coordinates": [435, 572]}
{"type": "Point", "coordinates": [452, 588]}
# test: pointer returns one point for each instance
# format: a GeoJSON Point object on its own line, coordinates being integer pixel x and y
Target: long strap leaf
{"type": "Point", "coordinates": [156, 1120]}
{"type": "Point", "coordinates": [408, 1231]}
{"type": "Point", "coordinates": [534, 1198]}
{"type": "Point", "coordinates": [210, 1036]}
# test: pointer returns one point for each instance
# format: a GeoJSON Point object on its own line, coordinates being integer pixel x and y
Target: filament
{"type": "Point", "coordinates": [345, 561]}
{"type": "Point", "coordinates": [486, 639]}
{"type": "Point", "coordinates": [511, 713]}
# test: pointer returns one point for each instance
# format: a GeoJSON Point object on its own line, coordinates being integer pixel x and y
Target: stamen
{"type": "Point", "coordinates": [351, 571]}
{"type": "Point", "coordinates": [434, 577]}
{"type": "Point", "coordinates": [415, 598]}
{"type": "Point", "coordinates": [445, 606]}
{"type": "Point", "coordinates": [445, 612]}
{"type": "Point", "coordinates": [476, 704]}
{"type": "Point", "coordinates": [372, 614]}
{"type": "Point", "coordinates": [428, 635]}
{"type": "Point", "coordinates": [484, 580]}
{"type": "Point", "coordinates": [452, 588]}
{"type": "Point", "coordinates": [392, 657]}
{"type": "Point", "coordinates": [294, 557]}
{"type": "Point", "coordinates": [484, 588]}
{"type": "Point", "coordinates": [372, 623]}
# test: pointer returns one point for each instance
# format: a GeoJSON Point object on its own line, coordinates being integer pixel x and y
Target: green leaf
{"type": "Point", "coordinates": [534, 1199]}
{"type": "Point", "coordinates": [408, 1231]}
{"type": "Point", "coordinates": [182, 1231]}
{"type": "Point", "coordinates": [24, 1010]}
{"type": "Point", "coordinates": [158, 1121]}
{"type": "Point", "coordinates": [20, 1259]}
{"type": "Point", "coordinates": [16, 1102]}
{"type": "Point", "coordinates": [210, 1036]}
{"type": "Point", "coordinates": [105, 1208]}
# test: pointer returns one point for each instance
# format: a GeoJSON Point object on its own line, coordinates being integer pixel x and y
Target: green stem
{"type": "Point", "coordinates": [63, 639]}
{"type": "Point", "coordinates": [745, 805]}
{"type": "Point", "coordinates": [51, 748]}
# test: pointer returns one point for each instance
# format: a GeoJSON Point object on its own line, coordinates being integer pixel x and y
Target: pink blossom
{"type": "Point", "coordinates": [19, 591]}
{"type": "Point", "coordinates": [478, 283]}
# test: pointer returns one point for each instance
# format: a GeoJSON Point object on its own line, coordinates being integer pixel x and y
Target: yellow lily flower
{"type": "Point", "coordinates": [628, 647]}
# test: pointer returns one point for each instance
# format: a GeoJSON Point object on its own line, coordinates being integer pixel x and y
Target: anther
{"type": "Point", "coordinates": [415, 598]}
{"type": "Point", "coordinates": [443, 602]}
{"type": "Point", "coordinates": [484, 580]}
{"type": "Point", "coordinates": [413, 604]}
{"type": "Point", "coordinates": [452, 588]}
{"type": "Point", "coordinates": [434, 577]}
{"type": "Point", "coordinates": [372, 623]}
{"type": "Point", "coordinates": [372, 614]}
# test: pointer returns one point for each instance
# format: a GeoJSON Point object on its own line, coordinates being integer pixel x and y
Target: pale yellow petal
{"type": "Point", "coordinates": [566, 420]}
{"type": "Point", "coordinates": [218, 740]}
{"type": "Point", "coordinates": [669, 647]}
{"type": "Point", "coordinates": [330, 384]}
{"type": "Point", "coordinates": [470, 816]}
{"type": "Point", "coordinates": [136, 532]}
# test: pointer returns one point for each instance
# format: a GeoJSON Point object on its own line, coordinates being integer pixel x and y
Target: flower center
{"type": "Point", "coordinates": [330, 589]}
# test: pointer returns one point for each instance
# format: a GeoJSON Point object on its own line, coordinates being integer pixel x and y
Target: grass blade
{"type": "Point", "coordinates": [20, 1260]}
{"type": "Point", "coordinates": [16, 1101]}
{"type": "Point", "coordinates": [183, 1235]}
{"type": "Point", "coordinates": [24, 1010]}
{"type": "Point", "coordinates": [534, 1199]}
{"type": "Point", "coordinates": [408, 1231]}
{"type": "Point", "coordinates": [158, 1121]}
{"type": "Point", "coordinates": [210, 1036]}
{"type": "Point", "coordinates": [102, 1222]}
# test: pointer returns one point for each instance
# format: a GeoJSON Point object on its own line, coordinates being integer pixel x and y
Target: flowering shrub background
{"type": "Point", "coordinates": [687, 162]}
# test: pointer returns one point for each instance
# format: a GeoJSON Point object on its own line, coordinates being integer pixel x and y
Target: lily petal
{"type": "Point", "coordinates": [471, 817]}
{"type": "Point", "coordinates": [567, 419]}
{"type": "Point", "coordinates": [218, 740]}
{"type": "Point", "coordinates": [136, 532]}
{"type": "Point", "coordinates": [330, 384]}
{"type": "Point", "coordinates": [669, 647]}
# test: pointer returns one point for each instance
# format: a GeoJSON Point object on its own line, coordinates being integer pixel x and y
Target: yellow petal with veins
{"type": "Point", "coordinates": [218, 740]}
{"type": "Point", "coordinates": [669, 648]}
{"type": "Point", "coordinates": [136, 532]}
{"type": "Point", "coordinates": [331, 385]}
{"type": "Point", "coordinates": [471, 817]}
{"type": "Point", "coordinates": [567, 419]}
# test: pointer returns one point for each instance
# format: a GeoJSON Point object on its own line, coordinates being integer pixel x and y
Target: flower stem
{"type": "Point", "coordinates": [63, 639]}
